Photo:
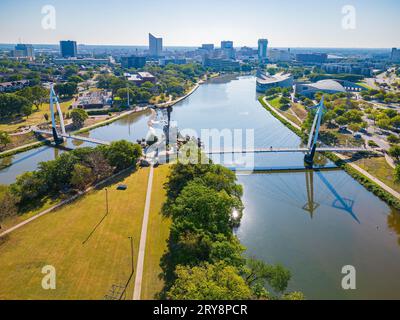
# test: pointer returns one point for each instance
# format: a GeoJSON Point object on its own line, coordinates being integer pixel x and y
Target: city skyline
{"type": "Point", "coordinates": [283, 23]}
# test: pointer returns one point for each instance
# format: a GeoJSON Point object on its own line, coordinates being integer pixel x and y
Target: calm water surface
{"type": "Point", "coordinates": [313, 223]}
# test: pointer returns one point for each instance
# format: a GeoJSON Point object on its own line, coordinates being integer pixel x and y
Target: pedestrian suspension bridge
{"type": "Point", "coordinates": [59, 137]}
{"type": "Point", "coordinates": [309, 151]}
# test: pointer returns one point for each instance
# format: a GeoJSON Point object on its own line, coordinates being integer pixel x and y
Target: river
{"type": "Point", "coordinates": [312, 223]}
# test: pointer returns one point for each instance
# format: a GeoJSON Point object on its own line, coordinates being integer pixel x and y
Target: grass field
{"type": "Point", "coordinates": [157, 235]}
{"type": "Point", "coordinates": [90, 250]}
{"type": "Point", "coordinates": [275, 102]}
{"type": "Point", "coordinates": [35, 118]}
{"type": "Point", "coordinates": [379, 168]}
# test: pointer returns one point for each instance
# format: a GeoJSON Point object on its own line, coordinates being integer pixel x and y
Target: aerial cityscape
{"type": "Point", "coordinates": [201, 159]}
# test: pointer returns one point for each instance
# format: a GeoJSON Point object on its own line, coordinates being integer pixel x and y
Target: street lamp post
{"type": "Point", "coordinates": [106, 200]}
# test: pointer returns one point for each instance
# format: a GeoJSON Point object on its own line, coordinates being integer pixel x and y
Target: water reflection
{"type": "Point", "coordinates": [393, 222]}
{"type": "Point", "coordinates": [339, 202]}
{"type": "Point", "coordinates": [288, 191]}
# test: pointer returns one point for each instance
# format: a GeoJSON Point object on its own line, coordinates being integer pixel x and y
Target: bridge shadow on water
{"type": "Point", "coordinates": [291, 193]}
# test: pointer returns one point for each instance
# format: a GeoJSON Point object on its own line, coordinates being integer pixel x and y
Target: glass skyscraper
{"type": "Point", "coordinates": [68, 49]}
{"type": "Point", "coordinates": [262, 49]}
{"type": "Point", "coordinates": [155, 46]}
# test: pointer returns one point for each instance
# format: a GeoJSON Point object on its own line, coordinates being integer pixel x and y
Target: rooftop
{"type": "Point", "coordinates": [267, 79]}
{"type": "Point", "coordinates": [328, 85]}
{"type": "Point", "coordinates": [145, 75]}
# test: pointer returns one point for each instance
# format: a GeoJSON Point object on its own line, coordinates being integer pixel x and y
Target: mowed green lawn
{"type": "Point", "coordinates": [90, 251]}
{"type": "Point", "coordinates": [157, 235]}
{"type": "Point", "coordinates": [379, 168]}
{"type": "Point", "coordinates": [35, 118]}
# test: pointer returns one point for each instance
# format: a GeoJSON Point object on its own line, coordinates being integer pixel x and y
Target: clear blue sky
{"type": "Point", "coordinates": [286, 23]}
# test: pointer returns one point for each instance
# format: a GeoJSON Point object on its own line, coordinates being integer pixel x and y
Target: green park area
{"type": "Point", "coordinates": [157, 236]}
{"type": "Point", "coordinates": [379, 168]}
{"type": "Point", "coordinates": [90, 249]}
{"type": "Point", "coordinates": [37, 117]}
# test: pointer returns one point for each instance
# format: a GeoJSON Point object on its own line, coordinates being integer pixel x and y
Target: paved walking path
{"type": "Point", "coordinates": [143, 236]}
{"type": "Point", "coordinates": [371, 177]}
{"type": "Point", "coordinates": [60, 204]}
{"type": "Point", "coordinates": [280, 114]}
{"type": "Point", "coordinates": [10, 151]}
{"type": "Point", "coordinates": [171, 103]}
{"type": "Point", "coordinates": [354, 166]}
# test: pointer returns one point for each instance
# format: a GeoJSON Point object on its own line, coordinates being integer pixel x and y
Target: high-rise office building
{"type": "Point", "coordinates": [395, 56]}
{"type": "Point", "coordinates": [312, 57]}
{"type": "Point", "coordinates": [23, 51]}
{"type": "Point", "coordinates": [207, 46]}
{"type": "Point", "coordinates": [262, 49]}
{"type": "Point", "coordinates": [227, 49]}
{"type": "Point", "coordinates": [68, 49]}
{"type": "Point", "coordinates": [155, 46]}
{"type": "Point", "coordinates": [133, 62]}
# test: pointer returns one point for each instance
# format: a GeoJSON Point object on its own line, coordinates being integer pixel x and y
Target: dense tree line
{"type": "Point", "coordinates": [204, 258]}
{"type": "Point", "coordinates": [74, 170]}
{"type": "Point", "coordinates": [12, 105]}
{"type": "Point", "coordinates": [21, 102]}
{"type": "Point", "coordinates": [66, 90]}
{"type": "Point", "coordinates": [172, 80]}
{"type": "Point", "coordinates": [381, 96]}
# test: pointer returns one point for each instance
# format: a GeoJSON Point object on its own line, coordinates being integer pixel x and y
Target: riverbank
{"type": "Point", "coordinates": [38, 144]}
{"type": "Point", "coordinates": [172, 103]}
{"type": "Point", "coordinates": [370, 182]}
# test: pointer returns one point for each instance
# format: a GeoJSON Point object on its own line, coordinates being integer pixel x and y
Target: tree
{"type": "Point", "coordinates": [37, 95]}
{"type": "Point", "coordinates": [395, 121]}
{"type": "Point", "coordinates": [204, 207]}
{"type": "Point", "coordinates": [393, 138]}
{"type": "Point", "coordinates": [259, 274]}
{"type": "Point", "coordinates": [12, 105]}
{"type": "Point", "coordinates": [284, 101]}
{"type": "Point", "coordinates": [383, 124]}
{"type": "Point", "coordinates": [397, 174]}
{"type": "Point", "coordinates": [76, 79]}
{"type": "Point", "coordinates": [8, 203]}
{"type": "Point", "coordinates": [28, 186]}
{"type": "Point", "coordinates": [123, 154]}
{"type": "Point", "coordinates": [215, 176]}
{"type": "Point", "coordinates": [341, 120]}
{"type": "Point", "coordinates": [81, 176]}
{"type": "Point", "coordinates": [4, 138]}
{"type": "Point", "coordinates": [394, 152]}
{"type": "Point", "coordinates": [355, 127]}
{"type": "Point", "coordinates": [208, 282]}
{"type": "Point", "coordinates": [78, 117]}
{"type": "Point", "coordinates": [101, 169]}
{"type": "Point", "coordinates": [296, 295]}
{"type": "Point", "coordinates": [123, 95]}
{"type": "Point", "coordinates": [67, 89]}
{"type": "Point", "coordinates": [57, 173]}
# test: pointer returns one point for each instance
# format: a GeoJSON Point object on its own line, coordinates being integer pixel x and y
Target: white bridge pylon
{"type": "Point", "coordinates": [309, 151]}
{"type": "Point", "coordinates": [59, 137]}
{"type": "Point", "coordinates": [314, 133]}
{"type": "Point", "coordinates": [54, 100]}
